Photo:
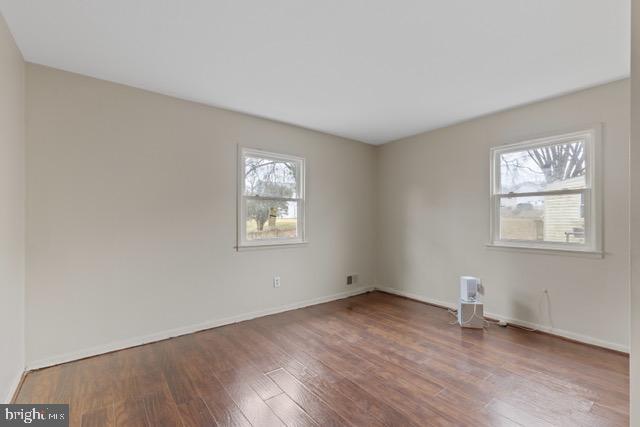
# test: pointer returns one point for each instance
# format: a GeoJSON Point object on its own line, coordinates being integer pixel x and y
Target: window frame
{"type": "Point", "coordinates": [592, 192]}
{"type": "Point", "coordinates": [242, 241]}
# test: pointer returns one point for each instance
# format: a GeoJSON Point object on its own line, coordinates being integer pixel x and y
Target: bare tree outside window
{"type": "Point", "coordinates": [541, 193]}
{"type": "Point", "coordinates": [264, 178]}
{"type": "Point", "coordinates": [560, 162]}
{"type": "Point", "coordinates": [271, 198]}
{"type": "Point", "coordinates": [538, 168]}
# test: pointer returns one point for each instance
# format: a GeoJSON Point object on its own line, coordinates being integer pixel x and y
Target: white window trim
{"type": "Point", "coordinates": [242, 242]}
{"type": "Point", "coordinates": [593, 194]}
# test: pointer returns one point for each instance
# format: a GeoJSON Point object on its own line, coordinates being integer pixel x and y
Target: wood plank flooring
{"type": "Point", "coordinates": [370, 360]}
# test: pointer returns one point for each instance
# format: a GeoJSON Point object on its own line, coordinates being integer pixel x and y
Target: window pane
{"type": "Point", "coordinates": [558, 218]}
{"type": "Point", "coordinates": [271, 219]}
{"type": "Point", "coordinates": [552, 167]}
{"type": "Point", "coordinates": [270, 178]}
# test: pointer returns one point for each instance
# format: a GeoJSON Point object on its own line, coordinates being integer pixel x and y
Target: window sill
{"type": "Point", "coordinates": [548, 250]}
{"type": "Point", "coordinates": [271, 245]}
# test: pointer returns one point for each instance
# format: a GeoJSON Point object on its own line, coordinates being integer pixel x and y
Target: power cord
{"type": "Point", "coordinates": [454, 313]}
{"type": "Point", "coordinates": [486, 322]}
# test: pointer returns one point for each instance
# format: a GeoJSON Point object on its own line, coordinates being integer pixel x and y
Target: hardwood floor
{"type": "Point", "coordinates": [369, 360]}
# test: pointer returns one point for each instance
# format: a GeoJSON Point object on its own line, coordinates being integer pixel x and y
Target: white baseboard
{"type": "Point", "coordinates": [416, 297]}
{"type": "Point", "coordinates": [553, 331]}
{"type": "Point", "coordinates": [159, 336]}
{"type": "Point", "coordinates": [13, 388]}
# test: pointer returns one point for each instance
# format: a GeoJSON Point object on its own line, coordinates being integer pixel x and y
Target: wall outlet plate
{"type": "Point", "coordinates": [276, 281]}
{"type": "Point", "coordinates": [352, 279]}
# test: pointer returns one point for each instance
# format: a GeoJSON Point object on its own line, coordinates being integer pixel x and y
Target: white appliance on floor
{"type": "Point", "coordinates": [470, 308]}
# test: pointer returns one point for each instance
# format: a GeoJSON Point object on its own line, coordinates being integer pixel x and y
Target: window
{"type": "Point", "coordinates": [545, 193]}
{"type": "Point", "coordinates": [270, 198]}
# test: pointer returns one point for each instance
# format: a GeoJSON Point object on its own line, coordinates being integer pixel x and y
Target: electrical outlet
{"type": "Point", "coordinates": [276, 281]}
{"type": "Point", "coordinates": [352, 279]}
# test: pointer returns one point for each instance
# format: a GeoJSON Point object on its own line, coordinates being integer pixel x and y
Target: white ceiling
{"type": "Point", "coordinates": [370, 70]}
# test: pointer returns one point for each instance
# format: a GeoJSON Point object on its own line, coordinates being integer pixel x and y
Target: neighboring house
{"type": "Point", "coordinates": [564, 215]}
{"type": "Point", "coordinates": [557, 219]}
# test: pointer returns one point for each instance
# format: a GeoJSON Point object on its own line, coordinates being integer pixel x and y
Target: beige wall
{"type": "Point", "coordinates": [12, 197]}
{"type": "Point", "coordinates": [131, 216]}
{"type": "Point", "coordinates": [434, 221]}
{"type": "Point", "coordinates": [635, 214]}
